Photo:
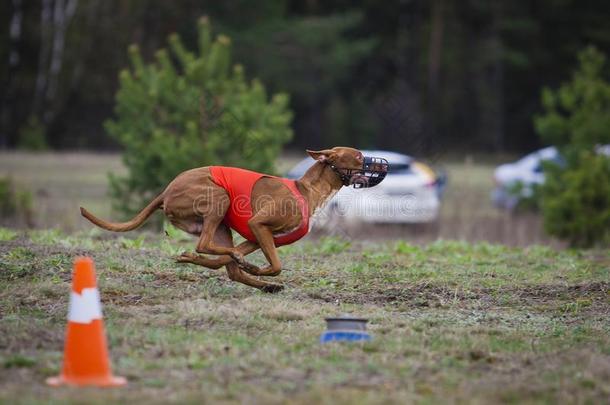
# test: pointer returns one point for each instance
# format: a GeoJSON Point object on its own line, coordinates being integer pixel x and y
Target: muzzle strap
{"type": "Point", "coordinates": [373, 172]}
{"type": "Point", "coordinates": [345, 178]}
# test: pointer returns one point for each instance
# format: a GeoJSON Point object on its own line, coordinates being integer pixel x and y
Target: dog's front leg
{"type": "Point", "coordinates": [264, 237]}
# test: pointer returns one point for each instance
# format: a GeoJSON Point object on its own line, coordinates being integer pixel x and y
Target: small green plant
{"type": "Point", "coordinates": [190, 109]}
{"type": "Point", "coordinates": [136, 243]}
{"type": "Point", "coordinates": [404, 248]}
{"type": "Point", "coordinates": [20, 253]}
{"type": "Point", "coordinates": [18, 361]}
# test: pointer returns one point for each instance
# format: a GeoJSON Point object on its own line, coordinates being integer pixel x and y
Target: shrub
{"type": "Point", "coordinates": [190, 109]}
{"type": "Point", "coordinates": [575, 198]}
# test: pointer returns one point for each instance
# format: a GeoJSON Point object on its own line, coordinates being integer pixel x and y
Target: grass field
{"type": "Point", "coordinates": [61, 182]}
{"type": "Point", "coordinates": [451, 322]}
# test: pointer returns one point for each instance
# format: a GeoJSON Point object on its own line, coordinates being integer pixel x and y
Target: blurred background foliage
{"type": "Point", "coordinates": [411, 75]}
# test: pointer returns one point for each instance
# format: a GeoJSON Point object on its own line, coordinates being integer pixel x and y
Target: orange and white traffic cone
{"type": "Point", "coordinates": [86, 359]}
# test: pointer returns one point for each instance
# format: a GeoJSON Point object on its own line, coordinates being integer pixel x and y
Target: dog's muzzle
{"type": "Point", "coordinates": [374, 170]}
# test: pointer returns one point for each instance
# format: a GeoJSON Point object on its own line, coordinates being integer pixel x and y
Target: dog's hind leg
{"type": "Point", "coordinates": [213, 210]}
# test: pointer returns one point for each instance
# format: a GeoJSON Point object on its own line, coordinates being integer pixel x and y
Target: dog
{"type": "Point", "coordinates": [268, 211]}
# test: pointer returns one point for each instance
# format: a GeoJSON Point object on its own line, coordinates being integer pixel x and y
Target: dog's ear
{"type": "Point", "coordinates": [320, 155]}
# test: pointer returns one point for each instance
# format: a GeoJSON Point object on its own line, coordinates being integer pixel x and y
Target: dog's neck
{"type": "Point", "coordinates": [318, 184]}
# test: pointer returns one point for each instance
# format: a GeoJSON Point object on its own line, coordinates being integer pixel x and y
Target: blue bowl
{"type": "Point", "coordinates": [344, 336]}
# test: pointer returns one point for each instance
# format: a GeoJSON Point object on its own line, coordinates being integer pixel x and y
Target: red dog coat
{"type": "Point", "coordinates": [239, 184]}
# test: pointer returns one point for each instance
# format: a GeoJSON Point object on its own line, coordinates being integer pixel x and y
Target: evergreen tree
{"type": "Point", "coordinates": [576, 195]}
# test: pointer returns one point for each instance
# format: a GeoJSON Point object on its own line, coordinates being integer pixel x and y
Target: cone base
{"type": "Point", "coordinates": [109, 381]}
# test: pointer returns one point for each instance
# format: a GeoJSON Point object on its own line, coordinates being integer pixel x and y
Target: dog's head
{"type": "Point", "coordinates": [352, 166]}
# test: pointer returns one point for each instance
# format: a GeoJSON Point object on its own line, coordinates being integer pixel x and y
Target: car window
{"type": "Point", "coordinates": [400, 168]}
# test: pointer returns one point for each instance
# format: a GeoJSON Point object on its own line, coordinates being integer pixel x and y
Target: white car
{"type": "Point", "coordinates": [410, 193]}
{"type": "Point", "coordinates": [516, 181]}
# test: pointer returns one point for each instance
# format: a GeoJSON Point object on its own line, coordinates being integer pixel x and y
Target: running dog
{"type": "Point", "coordinates": [268, 211]}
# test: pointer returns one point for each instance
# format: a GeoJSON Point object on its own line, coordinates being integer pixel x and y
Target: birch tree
{"type": "Point", "coordinates": [55, 19]}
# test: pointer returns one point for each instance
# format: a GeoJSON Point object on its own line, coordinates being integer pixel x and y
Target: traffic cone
{"type": "Point", "coordinates": [86, 359]}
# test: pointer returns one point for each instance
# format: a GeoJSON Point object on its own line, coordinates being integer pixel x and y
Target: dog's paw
{"type": "Point", "coordinates": [272, 288]}
{"type": "Point", "coordinates": [186, 257]}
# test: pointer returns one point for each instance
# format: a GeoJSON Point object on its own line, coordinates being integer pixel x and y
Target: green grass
{"type": "Point", "coordinates": [451, 321]}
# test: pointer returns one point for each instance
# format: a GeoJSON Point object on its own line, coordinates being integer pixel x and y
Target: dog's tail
{"type": "Point", "coordinates": [125, 226]}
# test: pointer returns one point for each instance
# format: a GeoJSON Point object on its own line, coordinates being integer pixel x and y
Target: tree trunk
{"type": "Point", "coordinates": [46, 33]}
{"type": "Point", "coordinates": [62, 15]}
{"type": "Point", "coordinates": [54, 21]}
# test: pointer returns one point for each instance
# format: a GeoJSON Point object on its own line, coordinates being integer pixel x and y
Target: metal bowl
{"type": "Point", "coordinates": [346, 323]}
{"type": "Point", "coordinates": [345, 328]}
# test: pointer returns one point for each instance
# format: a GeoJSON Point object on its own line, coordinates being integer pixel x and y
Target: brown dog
{"type": "Point", "coordinates": [200, 203]}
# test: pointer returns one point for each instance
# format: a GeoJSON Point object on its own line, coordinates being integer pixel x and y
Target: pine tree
{"type": "Point", "coordinates": [576, 195]}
